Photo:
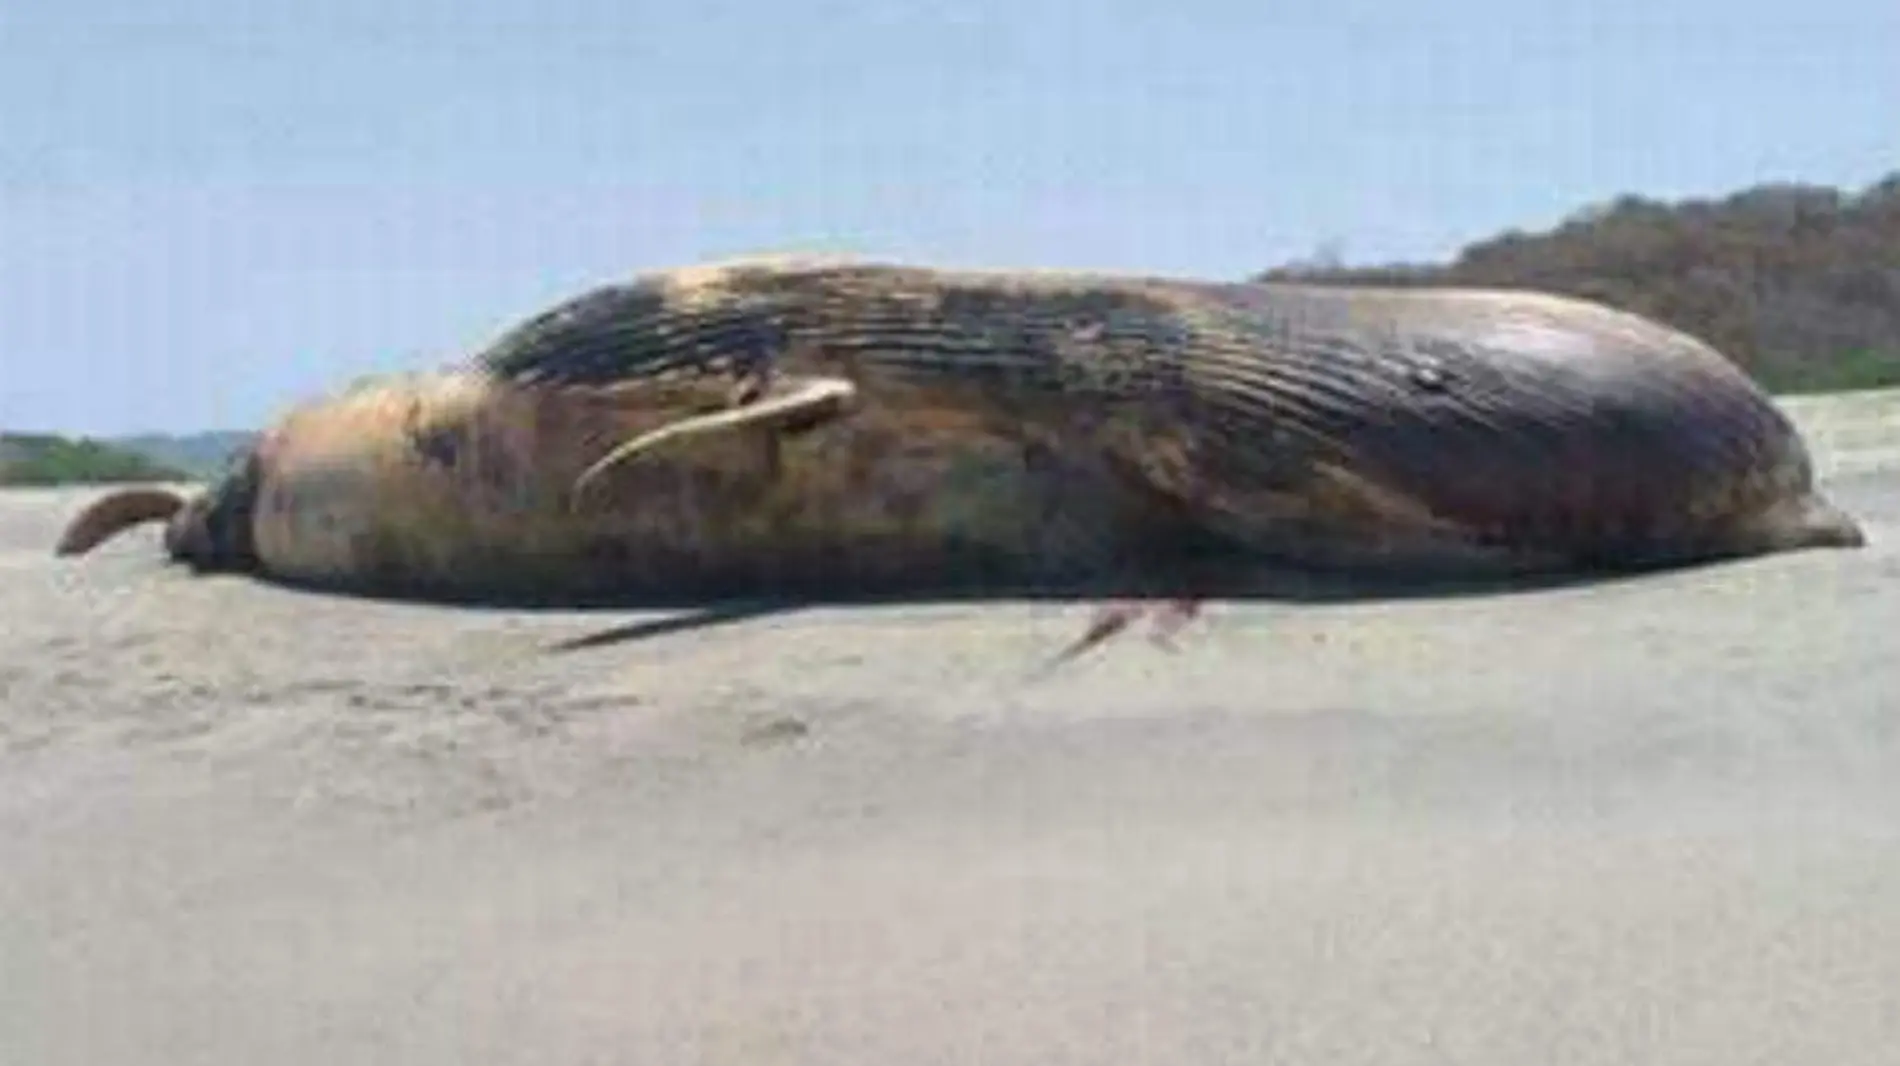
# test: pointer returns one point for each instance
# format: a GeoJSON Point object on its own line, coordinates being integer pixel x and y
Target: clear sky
{"type": "Point", "coordinates": [211, 208]}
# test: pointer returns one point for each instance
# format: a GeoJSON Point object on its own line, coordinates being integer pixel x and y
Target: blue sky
{"type": "Point", "coordinates": [210, 209]}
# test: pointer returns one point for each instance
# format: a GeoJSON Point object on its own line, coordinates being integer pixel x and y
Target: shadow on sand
{"type": "Point", "coordinates": [1222, 580]}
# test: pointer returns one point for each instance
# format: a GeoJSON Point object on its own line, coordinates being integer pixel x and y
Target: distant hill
{"type": "Point", "coordinates": [201, 455]}
{"type": "Point", "coordinates": [44, 459]}
{"type": "Point", "coordinates": [1800, 284]}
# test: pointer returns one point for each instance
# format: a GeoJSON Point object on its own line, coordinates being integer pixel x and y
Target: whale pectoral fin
{"type": "Point", "coordinates": [797, 405]}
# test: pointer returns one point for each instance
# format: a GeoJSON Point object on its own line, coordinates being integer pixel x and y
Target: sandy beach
{"type": "Point", "coordinates": [1646, 821]}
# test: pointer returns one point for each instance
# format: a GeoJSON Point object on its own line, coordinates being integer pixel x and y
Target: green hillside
{"type": "Point", "coordinates": [1800, 284]}
{"type": "Point", "coordinates": [44, 459]}
{"type": "Point", "coordinates": [202, 455]}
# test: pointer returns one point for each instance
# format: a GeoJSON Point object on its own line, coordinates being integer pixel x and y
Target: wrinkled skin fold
{"type": "Point", "coordinates": [762, 428]}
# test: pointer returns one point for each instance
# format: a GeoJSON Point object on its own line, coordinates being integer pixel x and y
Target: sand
{"type": "Point", "coordinates": [1652, 821]}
